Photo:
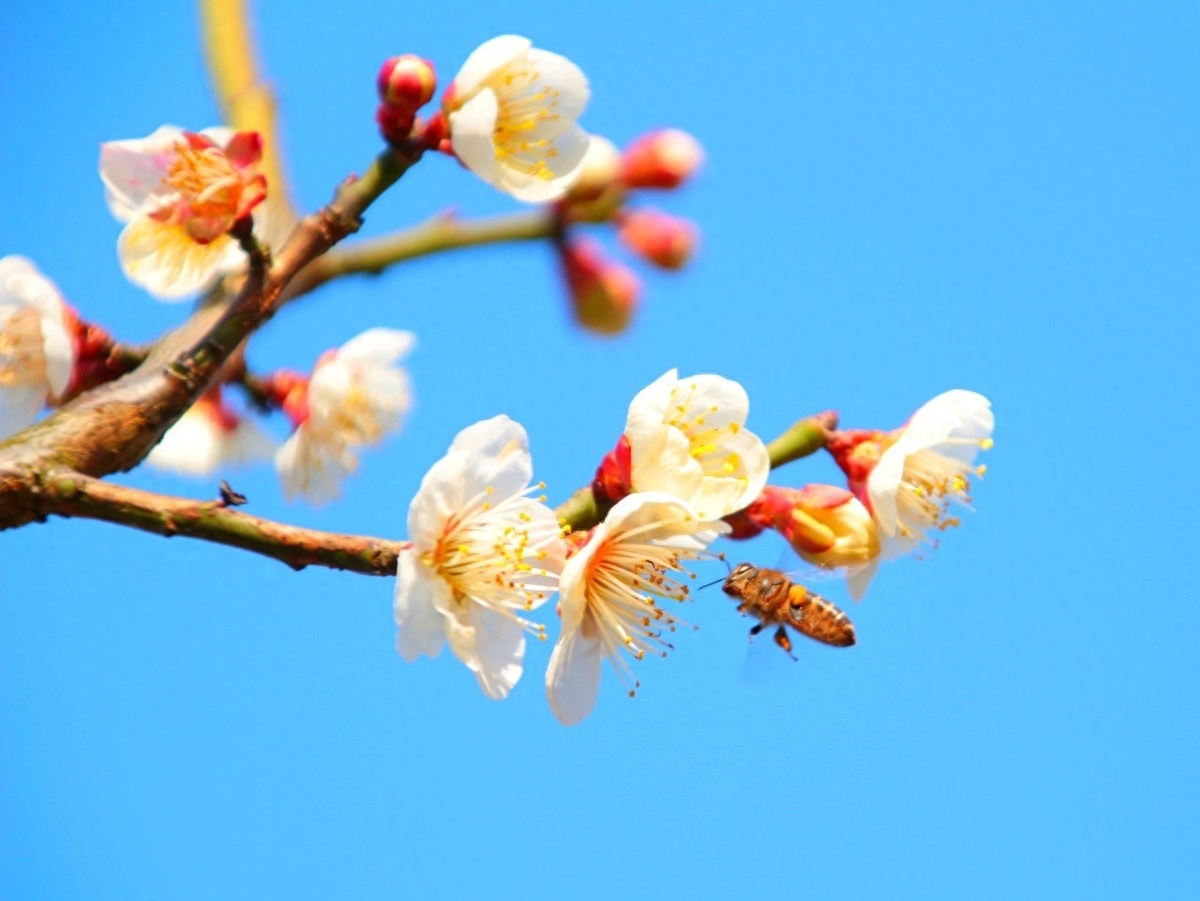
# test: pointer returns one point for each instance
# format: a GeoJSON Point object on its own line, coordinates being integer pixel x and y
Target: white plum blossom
{"type": "Point", "coordinates": [688, 437]}
{"type": "Point", "coordinates": [928, 465]}
{"type": "Point", "coordinates": [608, 593]}
{"type": "Point", "coordinates": [180, 193]}
{"type": "Point", "coordinates": [483, 554]}
{"type": "Point", "coordinates": [37, 351]}
{"type": "Point", "coordinates": [512, 112]}
{"type": "Point", "coordinates": [356, 395]}
{"type": "Point", "coordinates": [208, 437]}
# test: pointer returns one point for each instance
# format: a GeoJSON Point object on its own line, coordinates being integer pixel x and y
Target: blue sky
{"type": "Point", "coordinates": [897, 201]}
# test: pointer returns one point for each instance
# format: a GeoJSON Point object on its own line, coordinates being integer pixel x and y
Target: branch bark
{"type": "Point", "coordinates": [66, 493]}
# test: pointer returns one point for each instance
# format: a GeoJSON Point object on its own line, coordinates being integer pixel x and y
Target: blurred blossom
{"type": "Point", "coordinates": [661, 159]}
{"type": "Point", "coordinates": [608, 591]}
{"type": "Point", "coordinates": [688, 437]}
{"type": "Point", "coordinates": [512, 112]}
{"type": "Point", "coordinates": [208, 437]}
{"type": "Point", "coordinates": [604, 293]}
{"type": "Point", "coordinates": [659, 238]}
{"type": "Point", "coordinates": [483, 553]}
{"type": "Point", "coordinates": [180, 193]}
{"type": "Point", "coordinates": [356, 395]}
{"type": "Point", "coordinates": [37, 343]}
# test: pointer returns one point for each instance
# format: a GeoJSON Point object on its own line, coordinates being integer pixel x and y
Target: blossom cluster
{"type": "Point", "coordinates": [686, 470]}
{"type": "Point", "coordinates": [485, 550]}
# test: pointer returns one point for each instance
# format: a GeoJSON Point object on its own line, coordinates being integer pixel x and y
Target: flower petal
{"type": "Point", "coordinates": [19, 406]}
{"type": "Point", "coordinates": [486, 59]}
{"type": "Point", "coordinates": [473, 135]}
{"type": "Point", "coordinates": [573, 677]}
{"type": "Point", "coordinates": [378, 346]}
{"type": "Point", "coordinates": [415, 608]}
{"type": "Point", "coordinates": [133, 170]}
{"type": "Point", "coordinates": [159, 258]}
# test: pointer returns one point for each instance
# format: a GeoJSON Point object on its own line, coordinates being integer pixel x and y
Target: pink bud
{"type": "Point", "coordinates": [604, 294]}
{"type": "Point", "coordinates": [658, 238]}
{"type": "Point", "coordinates": [407, 82]}
{"type": "Point", "coordinates": [661, 159]}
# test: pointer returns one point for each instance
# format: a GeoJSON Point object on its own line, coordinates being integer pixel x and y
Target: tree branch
{"type": "Point", "coordinates": [247, 103]}
{"type": "Point", "coordinates": [64, 493]}
{"type": "Point", "coordinates": [442, 232]}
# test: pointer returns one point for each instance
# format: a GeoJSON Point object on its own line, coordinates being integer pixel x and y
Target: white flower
{"type": "Point", "coordinates": [356, 395]}
{"type": "Point", "coordinates": [608, 591]}
{"type": "Point", "coordinates": [511, 111]}
{"type": "Point", "coordinates": [687, 437]}
{"type": "Point", "coordinates": [37, 352]}
{"type": "Point", "coordinates": [483, 553]}
{"type": "Point", "coordinates": [928, 465]}
{"type": "Point", "coordinates": [210, 436]}
{"type": "Point", "coordinates": [180, 193]}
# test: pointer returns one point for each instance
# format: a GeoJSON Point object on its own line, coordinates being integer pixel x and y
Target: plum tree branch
{"type": "Point", "coordinates": [66, 493]}
{"type": "Point", "coordinates": [443, 232]}
{"type": "Point", "coordinates": [247, 103]}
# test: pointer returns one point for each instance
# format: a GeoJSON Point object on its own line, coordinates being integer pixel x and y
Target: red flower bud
{"type": "Point", "coordinates": [407, 82]}
{"type": "Point", "coordinates": [661, 159]}
{"type": "Point", "coordinates": [659, 238]}
{"type": "Point", "coordinates": [604, 294]}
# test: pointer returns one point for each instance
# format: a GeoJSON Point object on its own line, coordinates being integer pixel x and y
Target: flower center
{"type": "Point", "coordinates": [931, 481]}
{"type": "Point", "coordinates": [522, 112]}
{"type": "Point", "coordinates": [210, 191]}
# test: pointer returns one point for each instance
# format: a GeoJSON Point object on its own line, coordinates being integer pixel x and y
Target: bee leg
{"type": "Point", "coordinates": [755, 629]}
{"type": "Point", "coordinates": [781, 639]}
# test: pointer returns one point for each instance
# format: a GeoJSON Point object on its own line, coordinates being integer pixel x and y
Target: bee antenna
{"type": "Point", "coordinates": [710, 584]}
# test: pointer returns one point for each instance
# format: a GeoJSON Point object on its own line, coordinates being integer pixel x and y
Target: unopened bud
{"type": "Point", "coordinates": [407, 82]}
{"type": "Point", "coordinates": [596, 195]}
{"type": "Point", "coordinates": [604, 294]}
{"type": "Point", "coordinates": [658, 238]}
{"type": "Point", "coordinates": [661, 159]}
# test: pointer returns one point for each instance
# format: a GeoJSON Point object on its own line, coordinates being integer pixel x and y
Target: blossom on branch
{"type": "Point", "coordinates": [608, 595]}
{"type": "Point", "coordinates": [180, 193]}
{"type": "Point", "coordinates": [826, 525]}
{"type": "Point", "coordinates": [512, 112]}
{"type": "Point", "coordinates": [483, 554]}
{"type": "Point", "coordinates": [909, 477]}
{"type": "Point", "coordinates": [210, 436]}
{"type": "Point", "coordinates": [355, 396]}
{"type": "Point", "coordinates": [688, 437]}
{"type": "Point", "coordinates": [37, 343]}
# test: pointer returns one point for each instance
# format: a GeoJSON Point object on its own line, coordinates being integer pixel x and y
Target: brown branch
{"type": "Point", "coordinates": [64, 493]}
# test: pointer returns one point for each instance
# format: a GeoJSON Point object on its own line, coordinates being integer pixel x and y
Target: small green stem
{"type": "Point", "coordinates": [803, 438]}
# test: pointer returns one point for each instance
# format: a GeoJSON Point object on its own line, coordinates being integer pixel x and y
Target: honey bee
{"type": "Point", "coordinates": [774, 599]}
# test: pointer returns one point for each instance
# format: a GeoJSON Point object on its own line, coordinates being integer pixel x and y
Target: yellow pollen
{"type": "Point", "coordinates": [986, 443]}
